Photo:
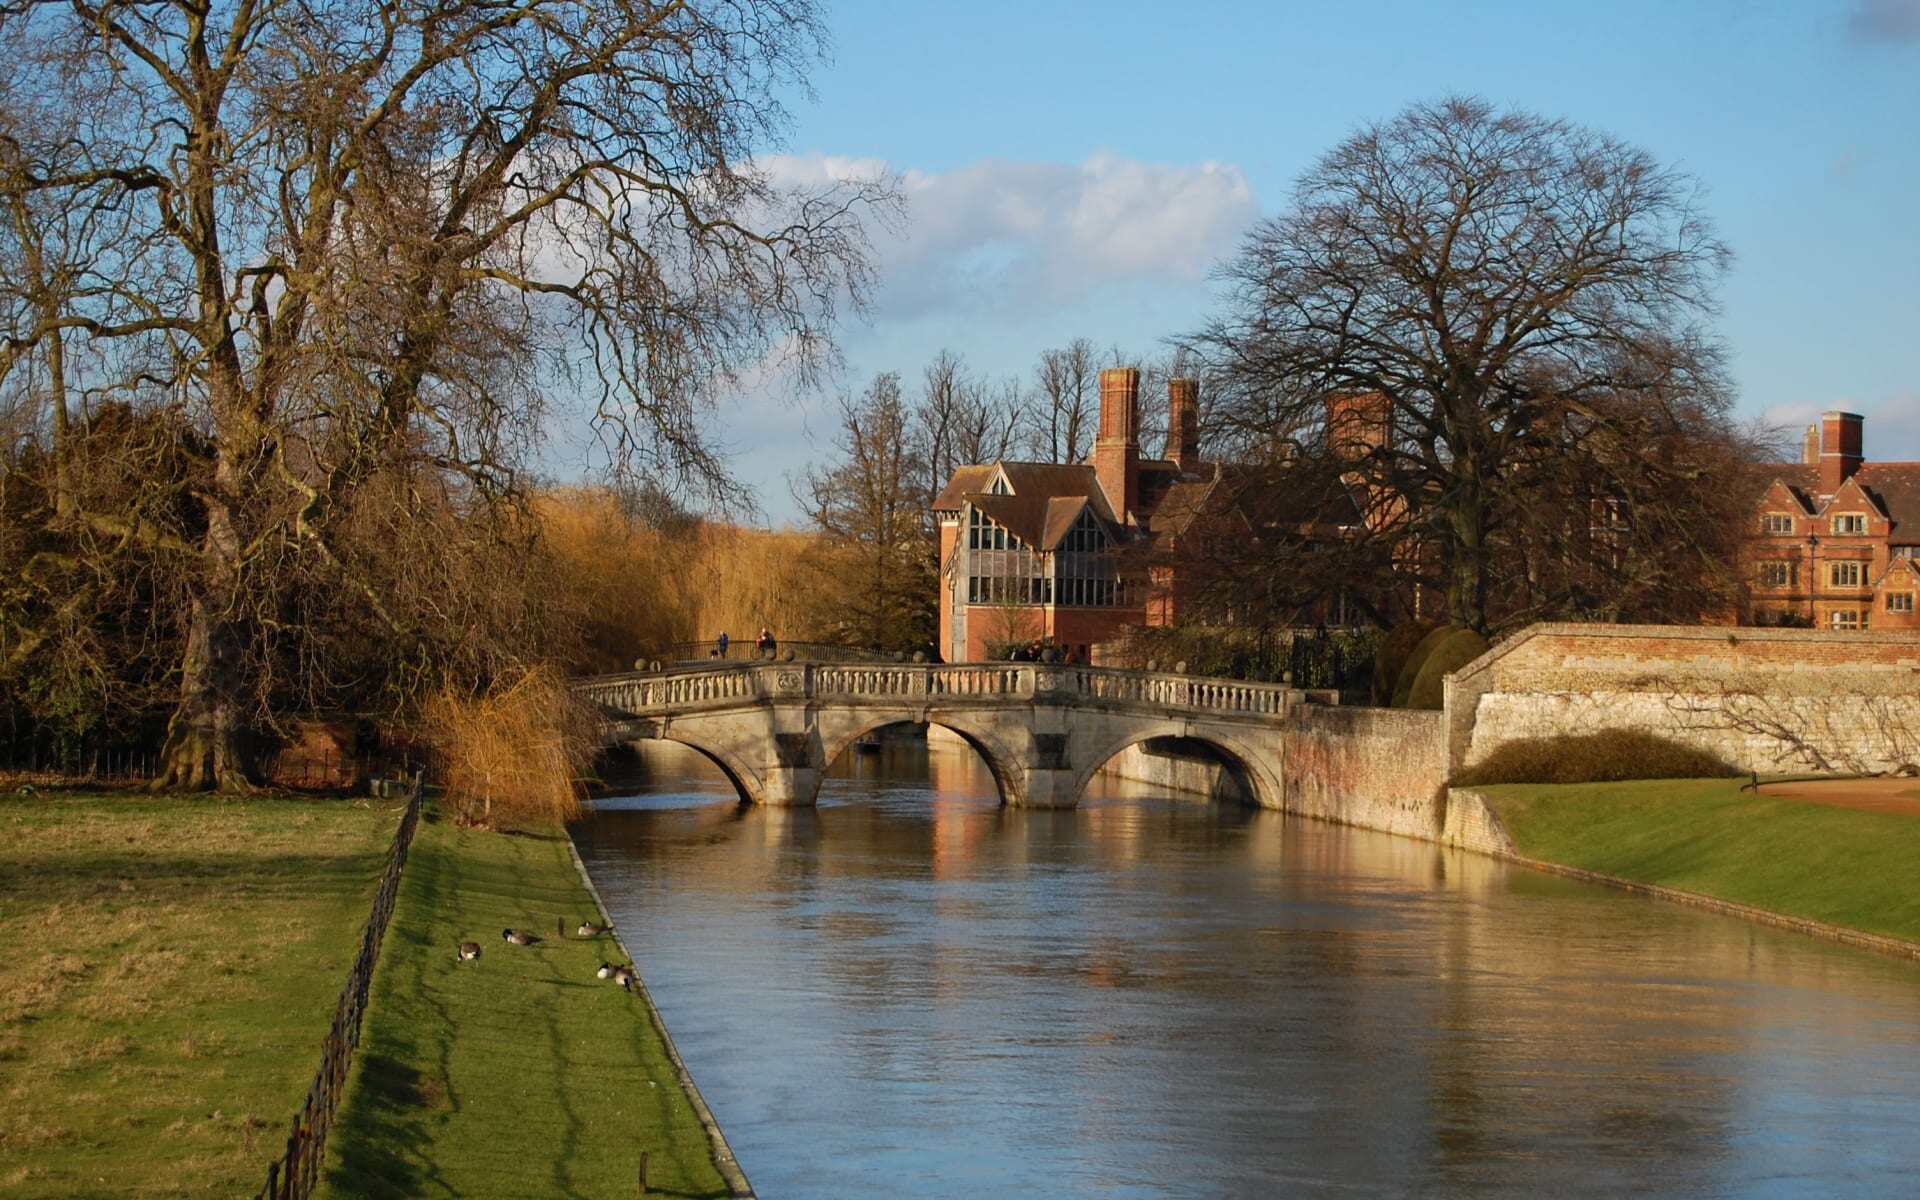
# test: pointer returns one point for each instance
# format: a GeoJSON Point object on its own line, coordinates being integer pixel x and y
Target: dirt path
{"type": "Point", "coordinates": [1874, 795]}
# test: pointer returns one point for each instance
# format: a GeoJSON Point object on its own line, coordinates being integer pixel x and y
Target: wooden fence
{"type": "Point", "coordinates": [296, 1173]}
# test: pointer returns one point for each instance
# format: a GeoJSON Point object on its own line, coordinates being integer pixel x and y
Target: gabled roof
{"type": "Point", "coordinates": [1892, 486]}
{"type": "Point", "coordinates": [1895, 569]}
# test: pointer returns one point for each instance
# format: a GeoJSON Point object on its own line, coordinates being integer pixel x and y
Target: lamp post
{"type": "Point", "coordinates": [1813, 579]}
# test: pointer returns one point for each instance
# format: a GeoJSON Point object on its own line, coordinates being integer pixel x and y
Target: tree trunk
{"type": "Point", "coordinates": [1467, 576]}
{"type": "Point", "coordinates": [208, 745]}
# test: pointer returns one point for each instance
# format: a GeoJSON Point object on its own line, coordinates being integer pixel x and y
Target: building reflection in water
{"type": "Point", "coordinates": [911, 990]}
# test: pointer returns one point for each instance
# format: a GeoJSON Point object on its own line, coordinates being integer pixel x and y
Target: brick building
{"type": "Point", "coordinates": [1029, 550]}
{"type": "Point", "coordinates": [1835, 537]}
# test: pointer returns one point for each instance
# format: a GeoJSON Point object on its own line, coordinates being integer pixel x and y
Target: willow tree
{"type": "Point", "coordinates": [1516, 308]}
{"type": "Point", "coordinates": [357, 245]}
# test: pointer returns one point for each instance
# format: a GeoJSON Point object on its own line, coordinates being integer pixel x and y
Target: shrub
{"type": "Point", "coordinates": [1416, 658]}
{"type": "Point", "coordinates": [1458, 648]}
{"type": "Point", "coordinates": [513, 756]}
{"type": "Point", "coordinates": [1391, 657]}
{"type": "Point", "coordinates": [1602, 757]}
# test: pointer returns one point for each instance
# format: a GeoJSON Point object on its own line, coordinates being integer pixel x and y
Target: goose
{"type": "Point", "coordinates": [519, 939]}
{"type": "Point", "coordinates": [468, 951]}
{"type": "Point", "coordinates": [605, 971]}
{"type": "Point", "coordinates": [625, 977]}
{"type": "Point", "coordinates": [588, 929]}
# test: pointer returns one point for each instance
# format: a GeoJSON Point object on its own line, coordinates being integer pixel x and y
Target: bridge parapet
{"type": "Point", "coordinates": [700, 688]}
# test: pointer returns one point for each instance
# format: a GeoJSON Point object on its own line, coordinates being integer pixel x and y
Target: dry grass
{"type": "Point", "coordinates": [515, 756]}
{"type": "Point", "coordinates": [151, 1001]}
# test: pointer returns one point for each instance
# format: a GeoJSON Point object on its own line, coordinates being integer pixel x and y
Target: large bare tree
{"type": "Point", "coordinates": [1524, 299]}
{"type": "Point", "coordinates": [356, 245]}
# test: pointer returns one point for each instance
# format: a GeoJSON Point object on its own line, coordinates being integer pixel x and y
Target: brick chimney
{"type": "Point", "coordinates": [1183, 423]}
{"type": "Point", "coordinates": [1116, 451]}
{"type": "Point", "coordinates": [1810, 448]}
{"type": "Point", "coordinates": [1357, 423]}
{"type": "Point", "coordinates": [1840, 440]}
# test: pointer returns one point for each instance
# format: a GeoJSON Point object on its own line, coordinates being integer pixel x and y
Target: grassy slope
{"type": "Point", "coordinates": [517, 1075]}
{"type": "Point", "coordinates": [1840, 865]}
{"type": "Point", "coordinates": [170, 965]}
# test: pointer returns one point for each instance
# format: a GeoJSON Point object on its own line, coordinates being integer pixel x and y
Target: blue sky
{"type": "Point", "coordinates": [1074, 170]}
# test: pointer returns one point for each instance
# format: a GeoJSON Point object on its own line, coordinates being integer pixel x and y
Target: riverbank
{"type": "Point", "coordinates": [171, 964]}
{"type": "Point", "coordinates": [520, 1074]}
{"type": "Point", "coordinates": [1837, 865]}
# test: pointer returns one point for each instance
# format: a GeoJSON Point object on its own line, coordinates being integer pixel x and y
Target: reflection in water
{"type": "Point", "coordinates": [912, 991]}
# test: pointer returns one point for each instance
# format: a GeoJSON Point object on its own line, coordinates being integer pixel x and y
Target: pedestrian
{"type": "Point", "coordinates": [765, 647]}
{"type": "Point", "coordinates": [720, 643]}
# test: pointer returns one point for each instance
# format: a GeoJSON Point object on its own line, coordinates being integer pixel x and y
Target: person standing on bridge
{"type": "Point", "coordinates": [720, 644]}
{"type": "Point", "coordinates": [765, 647]}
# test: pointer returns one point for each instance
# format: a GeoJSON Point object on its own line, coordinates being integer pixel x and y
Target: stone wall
{"type": "Point", "coordinates": [1168, 771]}
{"type": "Point", "coordinates": [1766, 699]}
{"type": "Point", "coordinates": [1377, 768]}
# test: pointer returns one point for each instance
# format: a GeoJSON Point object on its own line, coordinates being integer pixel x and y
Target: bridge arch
{"type": "Point", "coordinates": [746, 782]}
{"type": "Point", "coordinates": [1001, 762]}
{"type": "Point", "coordinates": [1241, 759]}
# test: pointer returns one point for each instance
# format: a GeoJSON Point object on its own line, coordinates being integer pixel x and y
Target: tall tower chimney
{"type": "Point", "coordinates": [1840, 441]}
{"type": "Point", "coordinates": [1116, 451]}
{"type": "Point", "coordinates": [1810, 448]}
{"type": "Point", "coordinates": [1183, 423]}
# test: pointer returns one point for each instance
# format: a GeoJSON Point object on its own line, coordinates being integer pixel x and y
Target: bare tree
{"type": "Point", "coordinates": [354, 247]}
{"type": "Point", "coordinates": [871, 505]}
{"type": "Point", "coordinates": [1066, 403]}
{"type": "Point", "coordinates": [1524, 300]}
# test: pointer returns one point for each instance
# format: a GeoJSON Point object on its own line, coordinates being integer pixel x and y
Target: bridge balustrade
{"type": "Point", "coordinates": [724, 686]}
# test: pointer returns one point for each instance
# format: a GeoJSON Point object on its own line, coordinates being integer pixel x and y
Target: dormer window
{"type": "Point", "coordinates": [1776, 523]}
{"type": "Point", "coordinates": [1000, 487]}
{"type": "Point", "coordinates": [1850, 523]}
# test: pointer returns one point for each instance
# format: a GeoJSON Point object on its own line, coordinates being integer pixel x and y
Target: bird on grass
{"type": "Point", "coordinates": [623, 976]}
{"type": "Point", "coordinates": [468, 951]}
{"type": "Point", "coordinates": [515, 938]}
{"type": "Point", "coordinates": [588, 929]}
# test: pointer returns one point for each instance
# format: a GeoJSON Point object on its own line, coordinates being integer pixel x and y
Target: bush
{"type": "Point", "coordinates": [1390, 658]}
{"type": "Point", "coordinates": [1416, 658]}
{"type": "Point", "coordinates": [1458, 648]}
{"type": "Point", "coordinates": [515, 755]}
{"type": "Point", "coordinates": [1603, 757]}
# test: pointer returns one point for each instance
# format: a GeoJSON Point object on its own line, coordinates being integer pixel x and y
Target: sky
{"type": "Point", "coordinates": [1076, 170]}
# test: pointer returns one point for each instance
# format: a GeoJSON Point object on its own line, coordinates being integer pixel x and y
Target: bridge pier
{"type": "Point", "coordinates": [789, 787]}
{"type": "Point", "coordinates": [1047, 787]}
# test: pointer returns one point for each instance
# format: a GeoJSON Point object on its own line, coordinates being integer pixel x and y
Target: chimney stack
{"type": "Point", "coordinates": [1183, 423]}
{"type": "Point", "coordinates": [1357, 424]}
{"type": "Point", "coordinates": [1840, 441]}
{"type": "Point", "coordinates": [1810, 448]}
{"type": "Point", "coordinates": [1116, 451]}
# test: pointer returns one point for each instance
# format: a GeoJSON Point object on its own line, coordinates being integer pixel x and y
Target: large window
{"type": "Point", "coordinates": [1776, 523]}
{"type": "Point", "coordinates": [1002, 569]}
{"type": "Point", "coordinates": [1847, 574]}
{"type": "Point", "coordinates": [1083, 569]}
{"type": "Point", "coordinates": [1779, 573]}
{"type": "Point", "coordinates": [1846, 618]}
{"type": "Point", "coordinates": [1850, 523]}
{"type": "Point", "coordinates": [1900, 602]}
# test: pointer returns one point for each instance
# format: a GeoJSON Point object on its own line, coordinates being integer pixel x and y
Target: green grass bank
{"type": "Point", "coordinates": [170, 967]}
{"type": "Point", "coordinates": [517, 1075]}
{"type": "Point", "coordinates": [1844, 866]}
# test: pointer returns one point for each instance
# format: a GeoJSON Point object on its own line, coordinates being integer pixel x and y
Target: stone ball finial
{"type": "Point", "coordinates": [787, 657]}
{"type": "Point", "coordinates": [639, 664]}
{"type": "Point", "coordinates": [919, 656]}
{"type": "Point", "coordinates": [1180, 668]}
{"type": "Point", "coordinates": [1153, 664]}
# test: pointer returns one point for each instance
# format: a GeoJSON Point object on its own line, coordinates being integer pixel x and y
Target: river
{"type": "Point", "coordinates": [910, 991]}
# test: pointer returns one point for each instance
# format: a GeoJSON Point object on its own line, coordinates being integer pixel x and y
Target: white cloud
{"type": "Point", "coordinates": [997, 235]}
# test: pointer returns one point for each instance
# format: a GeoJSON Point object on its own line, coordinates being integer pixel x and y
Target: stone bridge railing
{"type": "Point", "coordinates": [696, 689]}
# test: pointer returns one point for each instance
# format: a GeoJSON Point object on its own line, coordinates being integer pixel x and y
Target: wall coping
{"type": "Point", "coordinates": [1683, 633]}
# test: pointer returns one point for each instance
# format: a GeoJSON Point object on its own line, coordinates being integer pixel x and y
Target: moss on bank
{"type": "Point", "coordinates": [1845, 866]}
{"type": "Point", "coordinates": [171, 965]}
{"type": "Point", "coordinates": [517, 1075]}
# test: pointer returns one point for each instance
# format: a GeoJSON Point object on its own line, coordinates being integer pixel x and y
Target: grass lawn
{"type": "Point", "coordinates": [518, 1075]}
{"type": "Point", "coordinates": [170, 966]}
{"type": "Point", "coordinates": [1842, 865]}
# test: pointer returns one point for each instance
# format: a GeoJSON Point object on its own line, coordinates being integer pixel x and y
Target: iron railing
{"type": "Point", "coordinates": [296, 1172]}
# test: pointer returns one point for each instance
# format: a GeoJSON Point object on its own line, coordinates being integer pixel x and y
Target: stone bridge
{"type": "Point", "coordinates": [1042, 729]}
